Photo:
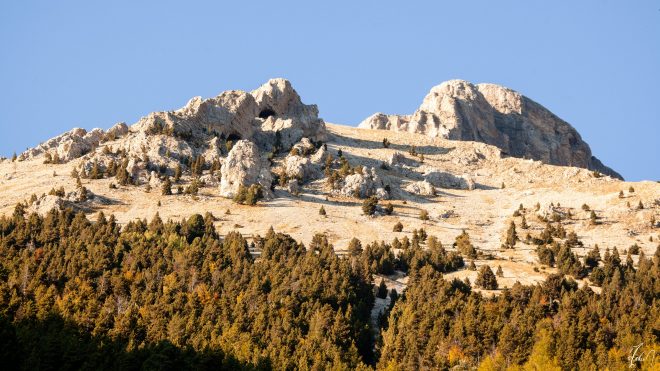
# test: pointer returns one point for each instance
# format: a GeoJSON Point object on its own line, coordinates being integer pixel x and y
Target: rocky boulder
{"type": "Point", "coordinates": [443, 179]}
{"type": "Point", "coordinates": [495, 115]}
{"type": "Point", "coordinates": [421, 188]}
{"type": "Point", "coordinates": [245, 166]}
{"type": "Point", "coordinates": [362, 185]}
{"type": "Point", "coordinates": [302, 168]}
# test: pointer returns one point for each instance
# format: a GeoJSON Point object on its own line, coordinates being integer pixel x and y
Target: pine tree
{"type": "Point", "coordinates": [486, 278]}
{"type": "Point", "coordinates": [167, 187]}
{"type": "Point", "coordinates": [464, 246]}
{"type": "Point", "coordinates": [398, 227]}
{"type": "Point", "coordinates": [382, 290]}
{"type": "Point", "coordinates": [593, 217]}
{"type": "Point", "coordinates": [386, 143]}
{"type": "Point", "coordinates": [499, 272]}
{"type": "Point", "coordinates": [511, 235]}
{"type": "Point", "coordinates": [322, 211]}
{"type": "Point", "coordinates": [389, 209]}
{"type": "Point", "coordinates": [523, 223]}
{"type": "Point", "coordinates": [177, 172]}
{"type": "Point", "coordinates": [369, 205]}
{"type": "Point", "coordinates": [354, 247]}
{"type": "Point", "coordinates": [424, 215]}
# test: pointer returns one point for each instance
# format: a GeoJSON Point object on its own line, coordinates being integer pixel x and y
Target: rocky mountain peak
{"type": "Point", "coordinates": [496, 115]}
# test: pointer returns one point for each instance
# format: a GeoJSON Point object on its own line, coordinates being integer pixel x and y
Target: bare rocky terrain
{"type": "Point", "coordinates": [461, 170]}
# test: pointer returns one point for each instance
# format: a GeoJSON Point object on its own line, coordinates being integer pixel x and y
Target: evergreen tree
{"type": "Point", "coordinates": [511, 235]}
{"type": "Point", "coordinates": [382, 290]}
{"type": "Point", "coordinates": [486, 279]}
{"type": "Point", "coordinates": [166, 189]}
{"type": "Point", "coordinates": [369, 205]}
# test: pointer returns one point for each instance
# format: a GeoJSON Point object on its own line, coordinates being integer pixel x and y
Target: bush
{"type": "Point", "coordinates": [424, 215]}
{"type": "Point", "coordinates": [322, 211]}
{"type": "Point", "coordinates": [398, 227]}
{"type": "Point", "coordinates": [248, 195]}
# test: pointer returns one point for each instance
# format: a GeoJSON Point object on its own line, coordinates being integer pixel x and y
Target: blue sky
{"type": "Point", "coordinates": [593, 63]}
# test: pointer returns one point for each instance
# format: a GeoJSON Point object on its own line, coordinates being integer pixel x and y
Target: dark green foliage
{"type": "Point", "coordinates": [486, 279]}
{"type": "Point", "coordinates": [382, 290]}
{"type": "Point", "coordinates": [177, 172]}
{"type": "Point", "coordinates": [464, 246]}
{"type": "Point", "coordinates": [89, 295]}
{"type": "Point", "coordinates": [249, 195]}
{"type": "Point", "coordinates": [511, 235]}
{"type": "Point", "coordinates": [440, 324]}
{"type": "Point", "coordinates": [166, 189]}
{"type": "Point", "coordinates": [369, 205]}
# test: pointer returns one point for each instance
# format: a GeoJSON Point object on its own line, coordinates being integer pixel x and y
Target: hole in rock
{"type": "Point", "coordinates": [266, 113]}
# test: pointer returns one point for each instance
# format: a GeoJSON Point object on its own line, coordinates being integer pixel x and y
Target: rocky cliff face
{"type": "Point", "coordinates": [495, 115]}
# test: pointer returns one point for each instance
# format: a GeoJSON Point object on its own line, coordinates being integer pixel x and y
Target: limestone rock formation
{"type": "Point", "coordinates": [281, 111]}
{"type": "Point", "coordinates": [46, 203]}
{"type": "Point", "coordinates": [495, 115]}
{"type": "Point", "coordinates": [363, 185]}
{"type": "Point", "coordinates": [245, 166]}
{"type": "Point", "coordinates": [302, 168]}
{"type": "Point", "coordinates": [67, 146]}
{"type": "Point", "coordinates": [422, 188]}
{"type": "Point", "coordinates": [272, 113]}
{"type": "Point", "coordinates": [442, 179]}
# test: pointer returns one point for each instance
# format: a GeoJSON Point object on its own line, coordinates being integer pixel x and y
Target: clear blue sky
{"type": "Point", "coordinates": [595, 64]}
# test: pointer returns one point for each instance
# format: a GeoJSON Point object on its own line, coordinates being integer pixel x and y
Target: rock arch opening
{"type": "Point", "coordinates": [266, 113]}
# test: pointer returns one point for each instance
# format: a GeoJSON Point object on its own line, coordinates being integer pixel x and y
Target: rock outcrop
{"type": "Point", "coordinates": [422, 188]}
{"type": "Point", "coordinates": [442, 179]}
{"type": "Point", "coordinates": [272, 114]}
{"type": "Point", "coordinates": [492, 114]}
{"type": "Point", "coordinates": [67, 146]}
{"type": "Point", "coordinates": [283, 116]}
{"type": "Point", "coordinates": [245, 166]}
{"type": "Point", "coordinates": [362, 185]}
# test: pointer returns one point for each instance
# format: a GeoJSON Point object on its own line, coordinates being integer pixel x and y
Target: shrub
{"type": "Point", "coordinates": [322, 211]}
{"type": "Point", "coordinates": [424, 215]}
{"type": "Point", "coordinates": [398, 227]}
